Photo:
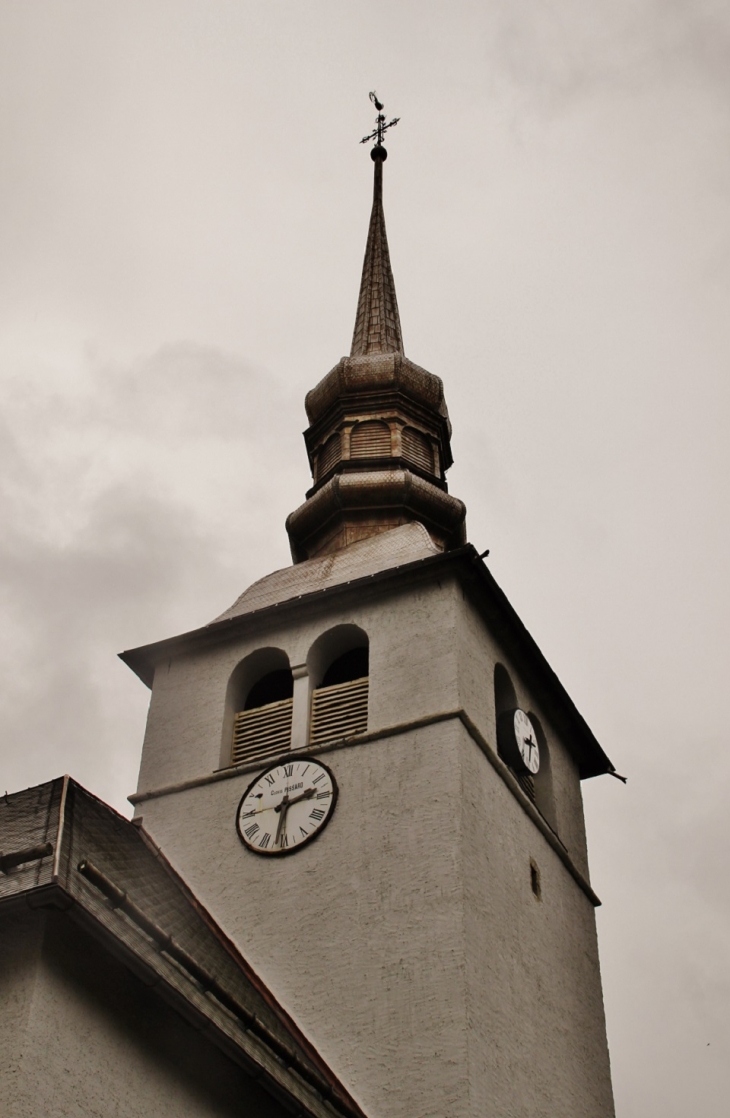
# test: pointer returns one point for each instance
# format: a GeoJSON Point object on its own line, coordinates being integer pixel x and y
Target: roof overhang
{"type": "Point", "coordinates": [488, 598]}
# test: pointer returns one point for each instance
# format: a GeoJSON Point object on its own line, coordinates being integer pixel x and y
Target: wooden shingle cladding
{"type": "Point", "coordinates": [376, 422]}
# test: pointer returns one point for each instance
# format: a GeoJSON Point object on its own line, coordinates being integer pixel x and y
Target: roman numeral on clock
{"type": "Point", "coordinates": [316, 814]}
{"type": "Point", "coordinates": [251, 831]}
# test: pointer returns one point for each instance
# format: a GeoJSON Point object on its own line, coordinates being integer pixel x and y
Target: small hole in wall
{"type": "Point", "coordinates": [535, 880]}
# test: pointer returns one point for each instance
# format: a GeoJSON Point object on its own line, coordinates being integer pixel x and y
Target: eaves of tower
{"type": "Point", "coordinates": [483, 591]}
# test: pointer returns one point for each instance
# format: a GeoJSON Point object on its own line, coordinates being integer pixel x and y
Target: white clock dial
{"type": "Point", "coordinates": [526, 740]}
{"type": "Point", "coordinates": [286, 806]}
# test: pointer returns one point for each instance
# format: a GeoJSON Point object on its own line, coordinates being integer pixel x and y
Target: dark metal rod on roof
{"type": "Point", "coordinates": [30, 854]}
{"type": "Point", "coordinates": [120, 899]}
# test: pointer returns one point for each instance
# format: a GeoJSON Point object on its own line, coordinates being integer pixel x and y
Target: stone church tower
{"type": "Point", "coordinates": [369, 774]}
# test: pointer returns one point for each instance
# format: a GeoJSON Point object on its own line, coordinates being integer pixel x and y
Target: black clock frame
{"type": "Point", "coordinates": [276, 763]}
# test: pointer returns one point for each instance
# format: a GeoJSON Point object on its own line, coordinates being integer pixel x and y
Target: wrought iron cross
{"type": "Point", "coordinates": [380, 126]}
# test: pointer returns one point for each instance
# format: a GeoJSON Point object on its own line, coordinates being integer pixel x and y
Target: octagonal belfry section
{"type": "Point", "coordinates": [379, 435]}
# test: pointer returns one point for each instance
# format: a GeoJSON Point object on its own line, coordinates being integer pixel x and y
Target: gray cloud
{"type": "Point", "coordinates": [113, 494]}
{"type": "Point", "coordinates": [569, 50]}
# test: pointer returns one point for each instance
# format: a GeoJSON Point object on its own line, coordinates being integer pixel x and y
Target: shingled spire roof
{"type": "Point", "coordinates": [379, 437]}
{"type": "Point", "coordinates": [377, 325]}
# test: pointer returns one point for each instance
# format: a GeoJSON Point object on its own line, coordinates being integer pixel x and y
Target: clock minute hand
{"type": "Point", "coordinates": [282, 808]}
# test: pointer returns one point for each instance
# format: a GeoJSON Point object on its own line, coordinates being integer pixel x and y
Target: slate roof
{"type": "Point", "coordinates": [405, 544]}
{"type": "Point", "coordinates": [159, 929]}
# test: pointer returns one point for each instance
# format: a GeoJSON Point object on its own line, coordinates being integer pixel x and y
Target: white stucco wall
{"type": "Point", "coordinates": [406, 940]}
{"type": "Point", "coordinates": [537, 1042]}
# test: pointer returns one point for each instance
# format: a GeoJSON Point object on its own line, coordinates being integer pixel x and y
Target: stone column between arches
{"type": "Point", "coordinates": [300, 708]}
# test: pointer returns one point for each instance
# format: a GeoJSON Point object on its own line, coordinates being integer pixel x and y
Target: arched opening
{"type": "Point", "coordinates": [258, 708]}
{"type": "Point", "coordinates": [271, 688]}
{"type": "Point", "coordinates": [350, 665]}
{"type": "Point", "coordinates": [338, 664]}
{"type": "Point", "coordinates": [505, 698]}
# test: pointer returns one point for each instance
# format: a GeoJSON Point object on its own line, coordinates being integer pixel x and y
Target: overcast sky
{"type": "Point", "coordinates": [183, 210]}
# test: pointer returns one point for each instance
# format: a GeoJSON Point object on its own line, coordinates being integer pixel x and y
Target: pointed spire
{"type": "Point", "coordinates": [377, 325]}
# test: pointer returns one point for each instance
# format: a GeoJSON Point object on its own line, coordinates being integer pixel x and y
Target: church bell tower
{"type": "Point", "coordinates": [370, 775]}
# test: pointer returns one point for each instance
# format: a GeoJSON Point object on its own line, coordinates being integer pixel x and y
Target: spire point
{"type": "Point", "coordinates": [377, 323]}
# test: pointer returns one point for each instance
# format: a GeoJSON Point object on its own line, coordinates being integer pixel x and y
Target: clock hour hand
{"type": "Point", "coordinates": [302, 796]}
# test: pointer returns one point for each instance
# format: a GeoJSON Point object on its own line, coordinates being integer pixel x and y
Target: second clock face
{"type": "Point", "coordinates": [286, 806]}
{"type": "Point", "coordinates": [527, 741]}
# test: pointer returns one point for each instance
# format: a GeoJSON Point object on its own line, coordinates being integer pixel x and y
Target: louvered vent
{"type": "Point", "coordinates": [262, 732]}
{"type": "Point", "coordinates": [370, 439]}
{"type": "Point", "coordinates": [339, 711]}
{"type": "Point", "coordinates": [527, 784]}
{"type": "Point", "coordinates": [417, 449]}
{"type": "Point", "coordinates": [329, 456]}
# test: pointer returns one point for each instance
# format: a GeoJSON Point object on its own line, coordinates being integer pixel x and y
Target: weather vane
{"type": "Point", "coordinates": [380, 126]}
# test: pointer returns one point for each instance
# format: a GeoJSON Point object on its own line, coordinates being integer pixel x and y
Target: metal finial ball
{"type": "Point", "coordinates": [378, 152]}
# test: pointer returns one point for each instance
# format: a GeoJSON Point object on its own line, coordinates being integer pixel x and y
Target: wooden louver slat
{"type": "Point", "coordinates": [339, 711]}
{"type": "Point", "coordinates": [329, 455]}
{"type": "Point", "coordinates": [370, 439]}
{"type": "Point", "coordinates": [527, 783]}
{"type": "Point", "coordinates": [417, 449]}
{"type": "Point", "coordinates": [262, 733]}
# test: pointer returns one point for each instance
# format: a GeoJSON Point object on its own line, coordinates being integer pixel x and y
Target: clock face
{"type": "Point", "coordinates": [286, 806]}
{"type": "Point", "coordinates": [526, 740]}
